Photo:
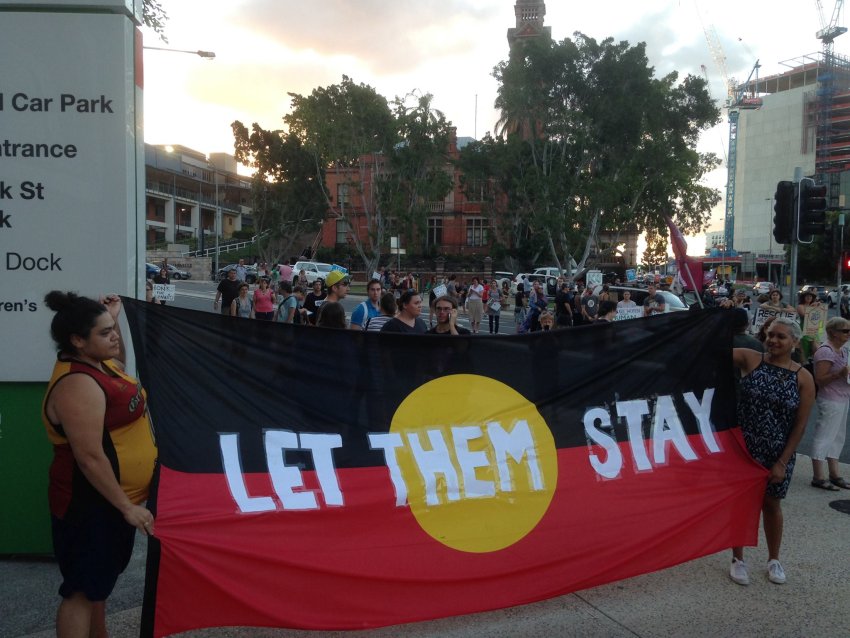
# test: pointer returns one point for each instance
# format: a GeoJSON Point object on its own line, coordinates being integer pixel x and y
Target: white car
{"type": "Point", "coordinates": [313, 269]}
{"type": "Point", "coordinates": [762, 288]}
{"type": "Point", "coordinates": [835, 295]}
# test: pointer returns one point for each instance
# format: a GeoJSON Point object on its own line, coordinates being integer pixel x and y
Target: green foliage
{"type": "Point", "coordinates": [154, 16]}
{"type": "Point", "coordinates": [288, 197]}
{"type": "Point", "coordinates": [607, 145]}
{"type": "Point", "coordinates": [390, 161]}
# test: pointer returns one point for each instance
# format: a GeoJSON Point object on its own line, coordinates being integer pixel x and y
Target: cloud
{"type": "Point", "coordinates": [387, 37]}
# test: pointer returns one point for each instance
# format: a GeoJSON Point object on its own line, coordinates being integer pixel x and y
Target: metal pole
{"type": "Point", "coordinates": [217, 223]}
{"type": "Point", "coordinates": [798, 175]}
{"type": "Point", "coordinates": [840, 257]}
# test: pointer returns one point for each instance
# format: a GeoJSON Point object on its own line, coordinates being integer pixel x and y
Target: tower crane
{"type": "Point", "coordinates": [735, 101]}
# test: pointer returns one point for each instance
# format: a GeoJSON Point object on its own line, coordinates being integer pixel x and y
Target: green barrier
{"type": "Point", "coordinates": [25, 457]}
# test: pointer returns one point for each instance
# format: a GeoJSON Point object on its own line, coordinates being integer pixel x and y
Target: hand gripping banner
{"type": "Point", "coordinates": [328, 479]}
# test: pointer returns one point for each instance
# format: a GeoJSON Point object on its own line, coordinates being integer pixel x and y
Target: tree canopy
{"type": "Point", "coordinates": [591, 140]}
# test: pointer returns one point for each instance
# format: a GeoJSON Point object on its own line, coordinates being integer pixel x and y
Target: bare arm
{"type": "Point", "coordinates": [745, 360]}
{"type": "Point", "coordinates": [78, 403]}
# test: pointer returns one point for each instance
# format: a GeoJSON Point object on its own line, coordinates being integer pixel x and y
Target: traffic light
{"type": "Point", "coordinates": [811, 210]}
{"type": "Point", "coordinates": [783, 221]}
{"type": "Point", "coordinates": [845, 264]}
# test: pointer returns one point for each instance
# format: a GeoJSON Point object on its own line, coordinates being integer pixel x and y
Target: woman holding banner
{"type": "Point", "coordinates": [776, 396]}
{"type": "Point", "coordinates": [103, 458]}
{"type": "Point", "coordinates": [831, 372]}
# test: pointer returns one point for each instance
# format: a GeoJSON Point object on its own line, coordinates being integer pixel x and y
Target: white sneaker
{"type": "Point", "coordinates": [775, 573]}
{"type": "Point", "coordinates": [738, 572]}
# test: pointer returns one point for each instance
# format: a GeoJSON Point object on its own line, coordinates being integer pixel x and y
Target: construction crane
{"type": "Point", "coordinates": [736, 100]}
{"type": "Point", "coordinates": [826, 92]}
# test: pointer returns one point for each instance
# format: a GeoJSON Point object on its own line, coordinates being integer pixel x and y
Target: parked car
{"type": "Point", "coordinates": [551, 271]}
{"type": "Point", "coordinates": [672, 303]}
{"type": "Point", "coordinates": [313, 269]}
{"type": "Point", "coordinates": [532, 277]}
{"type": "Point", "coordinates": [834, 295]}
{"type": "Point", "coordinates": [151, 270]}
{"type": "Point", "coordinates": [821, 292]}
{"type": "Point", "coordinates": [762, 288]}
{"type": "Point", "coordinates": [177, 274]}
{"type": "Point", "coordinates": [250, 273]}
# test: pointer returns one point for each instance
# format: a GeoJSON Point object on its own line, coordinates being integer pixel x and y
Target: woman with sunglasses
{"type": "Point", "coordinates": [831, 372]}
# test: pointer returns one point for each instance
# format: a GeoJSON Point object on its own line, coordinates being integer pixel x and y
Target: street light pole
{"type": "Point", "coordinates": [207, 55]}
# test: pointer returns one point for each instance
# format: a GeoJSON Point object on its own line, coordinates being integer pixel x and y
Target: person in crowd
{"type": "Point", "coordinates": [149, 293]}
{"type": "Point", "coordinates": [774, 301]}
{"type": "Point", "coordinates": [475, 304]}
{"type": "Point", "coordinates": [264, 300]}
{"type": "Point", "coordinates": [446, 309]}
{"type": "Point", "coordinates": [96, 485]}
{"type": "Point", "coordinates": [226, 292]}
{"type": "Point", "coordinates": [740, 338]}
{"type": "Point", "coordinates": [275, 276]}
{"type": "Point", "coordinates": [607, 311]}
{"type": "Point", "coordinates": [844, 303]}
{"type": "Point", "coordinates": [654, 302]}
{"type": "Point", "coordinates": [462, 292]}
{"type": "Point", "coordinates": [564, 306]}
{"type": "Point", "coordinates": [388, 311]}
{"type": "Point", "coordinates": [626, 301]}
{"type": "Point", "coordinates": [285, 270]}
{"type": "Point", "coordinates": [369, 308]}
{"type": "Point", "coordinates": [776, 396]}
{"type": "Point", "coordinates": [494, 307]}
{"type": "Point", "coordinates": [331, 315]}
{"type": "Point", "coordinates": [589, 305]}
{"type": "Point", "coordinates": [833, 398]}
{"type": "Point", "coordinates": [315, 298]}
{"type": "Point", "coordinates": [162, 278]}
{"type": "Point", "coordinates": [741, 300]}
{"type": "Point", "coordinates": [241, 270]}
{"type": "Point", "coordinates": [546, 321]}
{"type": "Point", "coordinates": [287, 308]}
{"type": "Point", "coordinates": [806, 301]}
{"type": "Point", "coordinates": [337, 284]}
{"type": "Point", "coordinates": [407, 320]}
{"type": "Point", "coordinates": [302, 279]}
{"type": "Point", "coordinates": [520, 308]}
{"type": "Point", "coordinates": [432, 299]}
{"type": "Point", "coordinates": [242, 306]}
{"type": "Point", "coordinates": [451, 287]}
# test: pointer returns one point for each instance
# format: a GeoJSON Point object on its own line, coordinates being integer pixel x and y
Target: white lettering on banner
{"type": "Point", "coordinates": [666, 428]}
{"type": "Point", "coordinates": [452, 461]}
{"type": "Point", "coordinates": [285, 478]}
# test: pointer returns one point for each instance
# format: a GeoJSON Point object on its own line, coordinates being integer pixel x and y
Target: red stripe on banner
{"type": "Point", "coordinates": [368, 563]}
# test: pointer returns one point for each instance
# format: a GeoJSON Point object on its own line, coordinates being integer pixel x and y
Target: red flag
{"type": "Point", "coordinates": [690, 271]}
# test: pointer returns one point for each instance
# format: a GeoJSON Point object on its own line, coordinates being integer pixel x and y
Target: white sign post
{"type": "Point", "coordinates": [71, 166]}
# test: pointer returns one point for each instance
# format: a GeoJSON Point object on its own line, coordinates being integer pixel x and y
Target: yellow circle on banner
{"type": "Point", "coordinates": [478, 461]}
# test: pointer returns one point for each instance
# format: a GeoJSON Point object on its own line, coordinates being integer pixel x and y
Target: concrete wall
{"type": "Point", "coordinates": [769, 147]}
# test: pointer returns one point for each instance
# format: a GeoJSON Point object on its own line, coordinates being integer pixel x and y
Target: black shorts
{"type": "Point", "coordinates": [92, 551]}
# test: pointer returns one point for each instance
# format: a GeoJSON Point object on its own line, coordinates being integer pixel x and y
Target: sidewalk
{"type": "Point", "coordinates": [695, 599]}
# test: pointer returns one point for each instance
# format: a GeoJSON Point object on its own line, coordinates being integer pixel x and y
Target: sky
{"type": "Point", "coordinates": [266, 49]}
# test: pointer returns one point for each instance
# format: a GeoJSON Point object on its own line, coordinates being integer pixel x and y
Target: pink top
{"type": "Point", "coordinates": [263, 302]}
{"type": "Point", "coordinates": [838, 390]}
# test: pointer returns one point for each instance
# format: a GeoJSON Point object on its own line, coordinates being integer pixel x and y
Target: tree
{"type": "Point", "coordinates": [656, 250]}
{"type": "Point", "coordinates": [610, 146]}
{"type": "Point", "coordinates": [288, 197]}
{"type": "Point", "coordinates": [389, 164]}
{"type": "Point", "coordinates": [154, 16]}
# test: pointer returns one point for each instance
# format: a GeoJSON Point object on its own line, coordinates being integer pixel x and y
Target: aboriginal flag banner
{"type": "Point", "coordinates": [331, 479]}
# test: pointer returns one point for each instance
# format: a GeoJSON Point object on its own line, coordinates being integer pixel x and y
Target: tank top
{"type": "Point", "coordinates": [128, 440]}
{"type": "Point", "coordinates": [263, 301]}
